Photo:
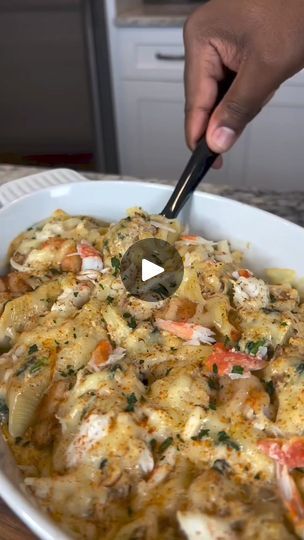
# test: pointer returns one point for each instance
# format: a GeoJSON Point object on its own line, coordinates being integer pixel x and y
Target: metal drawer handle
{"type": "Point", "coordinates": [170, 57]}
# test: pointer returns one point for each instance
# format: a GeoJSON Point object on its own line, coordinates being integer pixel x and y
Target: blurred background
{"type": "Point", "coordinates": [98, 85]}
{"type": "Point", "coordinates": [55, 94]}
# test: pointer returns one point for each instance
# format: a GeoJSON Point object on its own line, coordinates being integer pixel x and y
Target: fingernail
{"type": "Point", "coordinates": [223, 138]}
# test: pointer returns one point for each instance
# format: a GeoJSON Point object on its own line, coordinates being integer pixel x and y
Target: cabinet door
{"type": "Point", "coordinates": [152, 141]}
{"type": "Point", "coordinates": [274, 144]}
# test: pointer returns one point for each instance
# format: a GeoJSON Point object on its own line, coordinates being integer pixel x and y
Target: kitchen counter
{"type": "Point", "coordinates": [144, 15]}
{"type": "Point", "coordinates": [288, 205]}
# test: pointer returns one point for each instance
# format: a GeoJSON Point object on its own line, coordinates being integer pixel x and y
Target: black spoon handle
{"type": "Point", "coordinates": [197, 167]}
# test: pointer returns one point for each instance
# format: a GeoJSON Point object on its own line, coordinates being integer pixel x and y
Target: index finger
{"type": "Point", "coordinates": [203, 70]}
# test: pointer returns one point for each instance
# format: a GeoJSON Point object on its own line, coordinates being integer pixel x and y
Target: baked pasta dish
{"type": "Point", "coordinates": [130, 420]}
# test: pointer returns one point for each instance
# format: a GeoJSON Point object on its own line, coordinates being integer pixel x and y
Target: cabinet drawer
{"type": "Point", "coordinates": [152, 54]}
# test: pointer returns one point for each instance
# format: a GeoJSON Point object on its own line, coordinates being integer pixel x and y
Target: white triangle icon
{"type": "Point", "coordinates": [150, 270]}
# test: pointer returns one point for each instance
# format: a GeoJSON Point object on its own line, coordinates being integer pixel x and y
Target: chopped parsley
{"type": "Point", "coordinates": [212, 404]}
{"type": "Point", "coordinates": [33, 349]}
{"type": "Point", "coordinates": [131, 321]}
{"type": "Point", "coordinates": [213, 383]}
{"type": "Point", "coordinates": [69, 372]}
{"type": "Point", "coordinates": [115, 262]}
{"type": "Point", "coordinates": [38, 365]}
{"type": "Point", "coordinates": [223, 438]}
{"type": "Point", "coordinates": [33, 365]}
{"type": "Point", "coordinates": [164, 445]}
{"type": "Point", "coordinates": [227, 341]}
{"type": "Point", "coordinates": [101, 286]}
{"type": "Point", "coordinates": [76, 294]}
{"type": "Point", "coordinates": [132, 400]}
{"type": "Point", "coordinates": [153, 444]}
{"type": "Point", "coordinates": [300, 368]}
{"type": "Point", "coordinates": [103, 463]}
{"type": "Point", "coordinates": [252, 347]}
{"type": "Point", "coordinates": [110, 299]}
{"type": "Point", "coordinates": [270, 389]}
{"type": "Point", "coordinates": [3, 412]}
{"type": "Point", "coordinates": [238, 369]}
{"type": "Point", "coordinates": [215, 369]}
{"type": "Point", "coordinates": [201, 434]}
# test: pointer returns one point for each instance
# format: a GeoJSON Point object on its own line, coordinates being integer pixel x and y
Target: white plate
{"type": "Point", "coordinates": [272, 242]}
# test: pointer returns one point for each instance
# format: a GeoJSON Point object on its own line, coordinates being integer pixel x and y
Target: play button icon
{"type": "Point", "coordinates": [152, 270]}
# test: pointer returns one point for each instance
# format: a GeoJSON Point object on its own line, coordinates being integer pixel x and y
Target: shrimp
{"type": "Point", "coordinates": [235, 364]}
{"type": "Point", "coordinates": [104, 355]}
{"type": "Point", "coordinates": [289, 453]}
{"type": "Point", "coordinates": [91, 258]}
{"type": "Point", "coordinates": [194, 334]}
{"type": "Point", "coordinates": [71, 262]}
{"type": "Point", "coordinates": [291, 498]}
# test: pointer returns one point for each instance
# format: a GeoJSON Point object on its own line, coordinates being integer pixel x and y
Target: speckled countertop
{"type": "Point", "coordinates": [288, 205]}
{"type": "Point", "coordinates": [155, 15]}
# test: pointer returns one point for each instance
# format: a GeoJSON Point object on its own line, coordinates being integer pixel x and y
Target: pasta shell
{"type": "Point", "coordinates": [23, 400]}
{"type": "Point", "coordinates": [17, 312]}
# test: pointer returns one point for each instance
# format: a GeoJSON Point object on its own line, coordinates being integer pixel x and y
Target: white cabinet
{"type": "Point", "coordinates": [148, 74]}
{"type": "Point", "coordinates": [275, 141]}
{"type": "Point", "coordinates": [152, 121]}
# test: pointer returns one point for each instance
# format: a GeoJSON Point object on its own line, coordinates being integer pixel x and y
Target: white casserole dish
{"type": "Point", "coordinates": [268, 241]}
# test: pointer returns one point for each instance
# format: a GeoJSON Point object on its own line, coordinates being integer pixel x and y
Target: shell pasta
{"type": "Point", "coordinates": [178, 419]}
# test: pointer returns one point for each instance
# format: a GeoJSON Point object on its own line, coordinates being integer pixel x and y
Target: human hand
{"type": "Point", "coordinates": [260, 40]}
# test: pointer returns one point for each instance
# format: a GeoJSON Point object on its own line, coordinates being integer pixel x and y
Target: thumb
{"type": "Point", "coordinates": [245, 98]}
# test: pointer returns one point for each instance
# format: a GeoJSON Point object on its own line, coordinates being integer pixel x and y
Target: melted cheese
{"type": "Point", "coordinates": [146, 441]}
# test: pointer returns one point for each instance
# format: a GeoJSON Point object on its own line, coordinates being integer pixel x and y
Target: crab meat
{"type": "Point", "coordinates": [234, 364]}
{"type": "Point", "coordinates": [289, 453]}
{"type": "Point", "coordinates": [72, 297]}
{"type": "Point", "coordinates": [93, 429]}
{"type": "Point", "coordinates": [194, 334]}
{"type": "Point", "coordinates": [250, 291]}
{"type": "Point", "coordinates": [291, 498]}
{"type": "Point", "coordinates": [91, 258]}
